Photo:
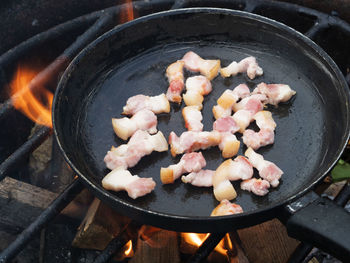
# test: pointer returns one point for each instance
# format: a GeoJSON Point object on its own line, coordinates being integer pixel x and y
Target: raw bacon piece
{"type": "Point", "coordinates": [248, 65]}
{"type": "Point", "coordinates": [190, 162]}
{"type": "Point", "coordinates": [157, 104]}
{"type": "Point", "coordinates": [192, 141]}
{"type": "Point", "coordinates": [229, 145]}
{"type": "Point", "coordinates": [226, 208]}
{"type": "Point", "coordinates": [238, 169]}
{"type": "Point", "coordinates": [264, 120]}
{"type": "Point", "coordinates": [194, 63]}
{"type": "Point", "coordinates": [246, 109]}
{"type": "Point", "coordinates": [265, 136]}
{"type": "Point", "coordinates": [142, 120]}
{"type": "Point", "coordinates": [256, 186]}
{"type": "Point", "coordinates": [140, 144]}
{"type": "Point", "coordinates": [122, 180]}
{"type": "Point", "coordinates": [275, 93]}
{"type": "Point", "coordinates": [253, 103]}
{"type": "Point", "coordinates": [228, 99]}
{"type": "Point", "coordinates": [255, 140]}
{"type": "Point", "coordinates": [223, 189]}
{"type": "Point", "coordinates": [196, 88]}
{"type": "Point", "coordinates": [267, 170]}
{"type": "Point", "coordinates": [225, 124]}
{"type": "Point", "coordinates": [175, 77]}
{"type": "Point", "coordinates": [193, 118]}
{"type": "Point", "coordinates": [203, 178]}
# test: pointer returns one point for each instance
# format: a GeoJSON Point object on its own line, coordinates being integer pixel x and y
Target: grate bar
{"type": "Point", "coordinates": [206, 248]}
{"type": "Point", "coordinates": [29, 146]}
{"type": "Point", "coordinates": [304, 249]}
{"type": "Point", "coordinates": [34, 228]}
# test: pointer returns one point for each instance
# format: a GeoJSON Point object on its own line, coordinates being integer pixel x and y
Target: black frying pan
{"type": "Point", "coordinates": [312, 129]}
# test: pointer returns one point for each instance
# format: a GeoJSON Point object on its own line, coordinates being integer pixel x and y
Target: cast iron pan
{"type": "Point", "coordinates": [312, 129]}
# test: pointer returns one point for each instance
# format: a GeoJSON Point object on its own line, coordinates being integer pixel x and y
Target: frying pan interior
{"type": "Point", "coordinates": [311, 129]}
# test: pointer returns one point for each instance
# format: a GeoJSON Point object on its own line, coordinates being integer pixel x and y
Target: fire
{"type": "Point", "coordinates": [197, 240]}
{"type": "Point", "coordinates": [37, 104]}
{"type": "Point", "coordinates": [127, 12]}
{"type": "Point", "coordinates": [128, 249]}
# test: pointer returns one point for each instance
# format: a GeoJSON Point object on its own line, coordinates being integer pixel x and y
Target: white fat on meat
{"type": "Point", "coordinates": [157, 104]}
{"type": "Point", "coordinates": [122, 180]}
{"type": "Point", "coordinates": [267, 170]}
{"type": "Point", "coordinates": [209, 68]}
{"type": "Point", "coordinates": [144, 120]}
{"type": "Point", "coordinates": [189, 162]}
{"type": "Point", "coordinates": [248, 65]}
{"type": "Point", "coordinates": [256, 186]}
{"type": "Point", "coordinates": [196, 88]}
{"type": "Point", "coordinates": [275, 93]}
{"type": "Point", "coordinates": [175, 77]}
{"type": "Point", "coordinates": [229, 145]}
{"type": "Point", "coordinates": [227, 99]}
{"type": "Point", "coordinates": [226, 208]}
{"type": "Point", "coordinates": [238, 169]}
{"type": "Point", "coordinates": [265, 136]}
{"type": "Point", "coordinates": [228, 171]}
{"type": "Point", "coordinates": [190, 141]}
{"type": "Point", "coordinates": [203, 178]}
{"type": "Point", "coordinates": [193, 118]}
{"type": "Point", "coordinates": [140, 144]}
{"type": "Point", "coordinates": [246, 109]}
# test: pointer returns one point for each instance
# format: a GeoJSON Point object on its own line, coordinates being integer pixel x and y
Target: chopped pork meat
{"type": "Point", "coordinates": [229, 145]}
{"type": "Point", "coordinates": [196, 88]}
{"type": "Point", "coordinates": [265, 136]}
{"type": "Point", "coordinates": [203, 178]}
{"type": "Point", "coordinates": [225, 124]}
{"type": "Point", "coordinates": [256, 186]}
{"type": "Point", "coordinates": [175, 77]}
{"type": "Point", "coordinates": [228, 99]}
{"type": "Point", "coordinates": [142, 120]}
{"type": "Point", "coordinates": [192, 141]}
{"type": "Point", "coordinates": [226, 208]}
{"type": "Point", "coordinates": [275, 93]}
{"type": "Point", "coordinates": [255, 140]}
{"type": "Point", "coordinates": [238, 169]}
{"type": "Point", "coordinates": [122, 180]}
{"type": "Point", "coordinates": [267, 170]}
{"type": "Point", "coordinates": [246, 109]}
{"type": "Point", "coordinates": [223, 189]}
{"type": "Point", "coordinates": [140, 144]}
{"type": "Point", "coordinates": [193, 118]}
{"type": "Point", "coordinates": [194, 63]}
{"type": "Point", "coordinates": [157, 104]}
{"type": "Point", "coordinates": [190, 162]}
{"type": "Point", "coordinates": [248, 65]}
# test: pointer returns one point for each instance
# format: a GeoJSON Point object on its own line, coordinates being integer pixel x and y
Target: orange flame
{"type": "Point", "coordinates": [128, 249]}
{"type": "Point", "coordinates": [198, 239]}
{"type": "Point", "coordinates": [24, 100]}
{"type": "Point", "coordinates": [127, 12]}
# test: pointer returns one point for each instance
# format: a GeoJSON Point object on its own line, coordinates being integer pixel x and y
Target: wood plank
{"type": "Point", "coordinates": [267, 242]}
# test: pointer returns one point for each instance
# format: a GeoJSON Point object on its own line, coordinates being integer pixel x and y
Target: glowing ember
{"type": "Point", "coordinates": [128, 249]}
{"type": "Point", "coordinates": [127, 12]}
{"type": "Point", "coordinates": [36, 106]}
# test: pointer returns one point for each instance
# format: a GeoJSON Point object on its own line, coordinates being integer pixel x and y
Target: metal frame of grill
{"type": "Point", "coordinates": [314, 25]}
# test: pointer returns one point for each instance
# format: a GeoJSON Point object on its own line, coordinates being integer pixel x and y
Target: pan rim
{"type": "Point", "coordinates": [108, 197]}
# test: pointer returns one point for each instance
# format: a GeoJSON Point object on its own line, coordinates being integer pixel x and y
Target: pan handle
{"type": "Point", "coordinates": [320, 222]}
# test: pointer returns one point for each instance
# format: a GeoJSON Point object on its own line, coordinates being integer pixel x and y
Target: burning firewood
{"type": "Point", "coordinates": [100, 225]}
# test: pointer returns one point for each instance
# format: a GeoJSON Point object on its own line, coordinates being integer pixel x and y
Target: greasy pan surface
{"type": "Point", "coordinates": [312, 129]}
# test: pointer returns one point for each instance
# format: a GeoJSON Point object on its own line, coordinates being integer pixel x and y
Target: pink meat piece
{"type": "Point", "coordinates": [267, 170]}
{"type": "Point", "coordinates": [255, 140]}
{"type": "Point", "coordinates": [248, 65]}
{"type": "Point", "coordinates": [225, 124]}
{"type": "Point", "coordinates": [275, 93]}
{"type": "Point", "coordinates": [257, 186]}
{"type": "Point", "coordinates": [227, 208]}
{"type": "Point", "coordinates": [175, 77]}
{"type": "Point", "coordinates": [193, 118]}
{"type": "Point", "coordinates": [157, 104]}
